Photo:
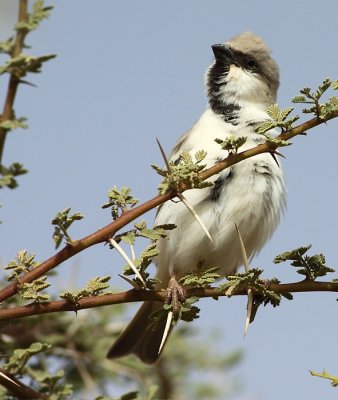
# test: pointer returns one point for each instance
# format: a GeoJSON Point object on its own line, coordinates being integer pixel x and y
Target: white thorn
{"type": "Point", "coordinates": [195, 215]}
{"type": "Point", "coordinates": [166, 330]}
{"type": "Point", "coordinates": [250, 292]}
{"type": "Point", "coordinates": [132, 250]}
{"type": "Point", "coordinates": [9, 379]}
{"type": "Point", "coordinates": [248, 311]}
{"type": "Point", "coordinates": [128, 260]}
{"type": "Point", "coordinates": [134, 284]}
{"type": "Point", "coordinates": [243, 251]}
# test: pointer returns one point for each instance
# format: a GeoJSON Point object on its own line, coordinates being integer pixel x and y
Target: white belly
{"type": "Point", "coordinates": [252, 197]}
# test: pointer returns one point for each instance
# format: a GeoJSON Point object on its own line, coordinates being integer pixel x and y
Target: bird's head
{"type": "Point", "coordinates": [243, 71]}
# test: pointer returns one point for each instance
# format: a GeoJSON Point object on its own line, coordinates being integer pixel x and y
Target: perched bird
{"type": "Point", "coordinates": [241, 84]}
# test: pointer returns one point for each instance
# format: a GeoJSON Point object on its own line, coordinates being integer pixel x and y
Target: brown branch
{"type": "Point", "coordinates": [103, 234]}
{"type": "Point", "coordinates": [265, 147]}
{"type": "Point", "coordinates": [133, 295]}
{"type": "Point", "coordinates": [13, 80]}
{"type": "Point", "coordinates": [17, 388]}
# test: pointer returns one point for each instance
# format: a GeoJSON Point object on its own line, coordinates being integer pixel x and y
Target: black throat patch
{"type": "Point", "coordinates": [215, 83]}
{"type": "Point", "coordinates": [229, 111]}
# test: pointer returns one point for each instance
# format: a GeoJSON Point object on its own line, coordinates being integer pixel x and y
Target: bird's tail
{"type": "Point", "coordinates": [137, 338]}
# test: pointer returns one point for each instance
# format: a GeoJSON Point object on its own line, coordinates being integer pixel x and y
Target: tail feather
{"type": "Point", "coordinates": [139, 340]}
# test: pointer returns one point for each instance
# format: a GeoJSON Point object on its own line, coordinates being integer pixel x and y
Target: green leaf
{"type": "Point", "coordinates": [329, 108]}
{"type": "Point", "coordinates": [120, 201]}
{"type": "Point", "coordinates": [274, 112]}
{"type": "Point", "coordinates": [142, 264]}
{"type": "Point", "coordinates": [323, 87]}
{"type": "Point", "coordinates": [23, 264]}
{"type": "Point", "coordinates": [62, 222]}
{"type": "Point", "coordinates": [7, 47]}
{"type": "Point", "coordinates": [251, 279]}
{"type": "Point", "coordinates": [129, 237]}
{"type": "Point", "coordinates": [183, 170]}
{"type": "Point", "coordinates": [8, 175]}
{"type": "Point", "coordinates": [202, 277]}
{"type": "Point", "coordinates": [277, 142]}
{"type": "Point", "coordinates": [323, 111]}
{"type": "Point", "coordinates": [23, 64]}
{"type": "Point", "coordinates": [265, 127]}
{"type": "Point", "coordinates": [31, 290]}
{"type": "Point", "coordinates": [231, 143]}
{"type": "Point", "coordinates": [148, 253]}
{"type": "Point", "coordinates": [279, 118]}
{"type": "Point", "coordinates": [70, 297]}
{"type": "Point", "coordinates": [16, 363]}
{"type": "Point", "coordinates": [292, 255]}
{"type": "Point", "coordinates": [189, 313]}
{"type": "Point", "coordinates": [94, 287]}
{"type": "Point", "coordinates": [283, 114]}
{"type": "Point", "coordinates": [14, 123]}
{"type": "Point", "coordinates": [200, 155]}
{"type": "Point", "coordinates": [154, 234]}
{"type": "Point", "coordinates": [299, 99]}
{"type": "Point", "coordinates": [150, 234]}
{"type": "Point", "coordinates": [51, 384]}
{"type": "Point", "coordinates": [239, 280]}
{"type": "Point", "coordinates": [311, 267]}
{"type": "Point", "coordinates": [33, 19]}
{"type": "Point", "coordinates": [98, 285]}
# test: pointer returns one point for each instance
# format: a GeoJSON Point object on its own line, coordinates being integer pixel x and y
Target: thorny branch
{"type": "Point", "coordinates": [13, 80]}
{"type": "Point", "coordinates": [134, 295]}
{"type": "Point", "coordinates": [103, 234]}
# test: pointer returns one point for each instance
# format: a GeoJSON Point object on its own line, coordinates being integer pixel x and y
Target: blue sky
{"type": "Point", "coordinates": [128, 72]}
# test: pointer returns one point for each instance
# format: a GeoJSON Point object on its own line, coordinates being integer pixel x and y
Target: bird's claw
{"type": "Point", "coordinates": [175, 295]}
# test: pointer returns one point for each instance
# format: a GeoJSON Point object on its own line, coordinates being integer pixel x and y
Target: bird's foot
{"type": "Point", "coordinates": [175, 295]}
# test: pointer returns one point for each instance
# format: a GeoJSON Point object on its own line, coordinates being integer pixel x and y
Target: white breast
{"type": "Point", "coordinates": [251, 194]}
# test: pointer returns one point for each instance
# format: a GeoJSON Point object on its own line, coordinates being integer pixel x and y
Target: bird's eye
{"type": "Point", "coordinates": [251, 64]}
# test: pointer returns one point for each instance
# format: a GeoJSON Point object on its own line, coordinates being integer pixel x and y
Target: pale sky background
{"type": "Point", "coordinates": [130, 71]}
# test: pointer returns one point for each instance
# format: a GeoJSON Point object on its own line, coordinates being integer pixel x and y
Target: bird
{"type": "Point", "coordinates": [241, 83]}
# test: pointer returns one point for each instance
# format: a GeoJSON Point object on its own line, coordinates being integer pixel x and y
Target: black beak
{"type": "Point", "coordinates": [223, 53]}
